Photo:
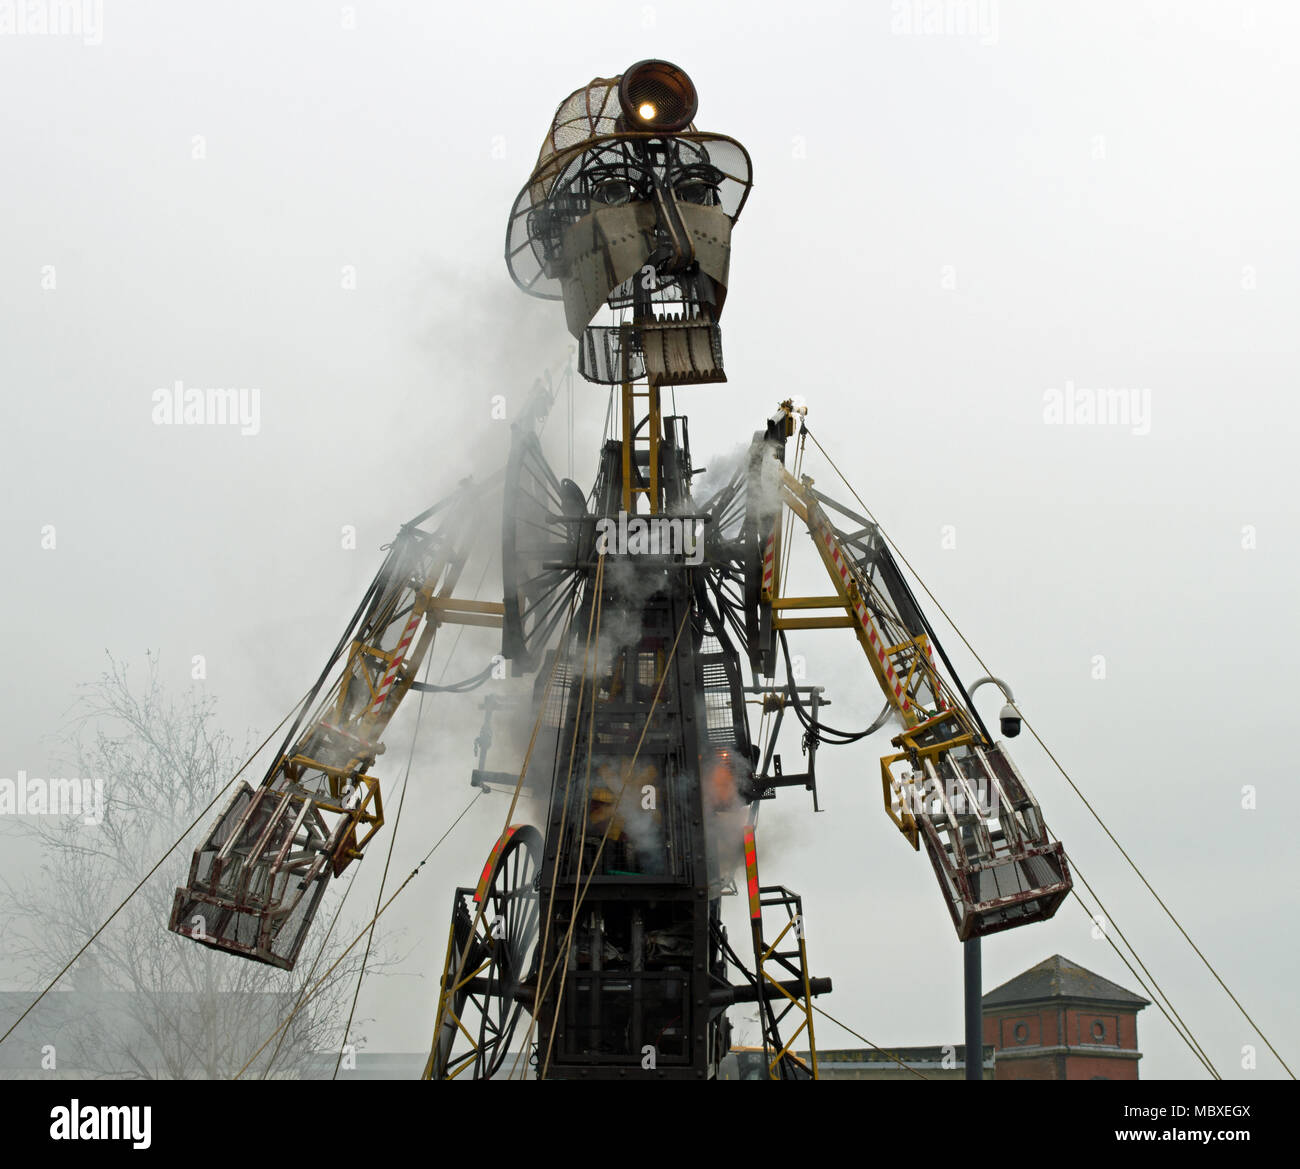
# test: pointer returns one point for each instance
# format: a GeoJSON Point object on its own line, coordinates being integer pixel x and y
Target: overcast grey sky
{"type": "Point", "coordinates": [948, 223]}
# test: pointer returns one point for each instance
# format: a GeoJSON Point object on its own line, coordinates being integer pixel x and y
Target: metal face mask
{"type": "Point", "coordinates": [630, 208]}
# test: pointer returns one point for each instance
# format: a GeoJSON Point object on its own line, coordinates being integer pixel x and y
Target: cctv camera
{"type": "Point", "coordinates": [1010, 719]}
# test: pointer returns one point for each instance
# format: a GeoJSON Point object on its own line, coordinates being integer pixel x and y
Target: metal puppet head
{"type": "Point", "coordinates": [628, 215]}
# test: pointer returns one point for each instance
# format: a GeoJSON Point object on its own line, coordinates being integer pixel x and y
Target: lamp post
{"type": "Point", "coordinates": [974, 1010]}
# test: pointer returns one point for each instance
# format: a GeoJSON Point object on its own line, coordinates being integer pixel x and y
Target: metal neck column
{"type": "Point", "coordinates": [653, 424]}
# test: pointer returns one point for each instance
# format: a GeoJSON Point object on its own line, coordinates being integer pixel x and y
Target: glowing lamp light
{"type": "Point", "coordinates": [656, 95]}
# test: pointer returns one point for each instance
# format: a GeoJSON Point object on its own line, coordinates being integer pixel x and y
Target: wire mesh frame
{"type": "Point", "coordinates": [559, 194]}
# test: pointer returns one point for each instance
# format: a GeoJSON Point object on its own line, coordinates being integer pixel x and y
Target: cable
{"type": "Point", "coordinates": [392, 839]}
{"type": "Point", "coordinates": [1133, 950]}
{"type": "Point", "coordinates": [562, 954]}
{"type": "Point", "coordinates": [320, 953]}
{"type": "Point", "coordinates": [544, 983]}
{"type": "Point", "coordinates": [1196, 1049]}
{"type": "Point", "coordinates": [464, 686]}
{"type": "Point", "coordinates": [868, 1042]}
{"type": "Point", "coordinates": [320, 981]}
{"type": "Point", "coordinates": [597, 591]}
{"type": "Point", "coordinates": [627, 775]}
{"type": "Point", "coordinates": [1095, 815]}
{"type": "Point", "coordinates": [122, 905]}
{"type": "Point", "coordinates": [459, 687]}
{"type": "Point", "coordinates": [444, 1001]}
{"type": "Point", "coordinates": [609, 414]}
{"type": "Point", "coordinates": [819, 729]}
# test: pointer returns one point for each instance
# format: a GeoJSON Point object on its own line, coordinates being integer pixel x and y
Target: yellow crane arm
{"type": "Point", "coordinates": [947, 784]}
{"type": "Point", "coordinates": [257, 878]}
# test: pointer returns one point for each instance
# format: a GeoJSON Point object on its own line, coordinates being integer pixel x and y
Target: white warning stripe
{"type": "Point", "coordinates": [344, 733]}
{"type": "Point", "coordinates": [384, 687]}
{"type": "Point", "coordinates": [864, 619]}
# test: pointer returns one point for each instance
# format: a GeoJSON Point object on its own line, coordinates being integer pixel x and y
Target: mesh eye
{"type": "Point", "coordinates": [698, 184]}
{"type": "Point", "coordinates": [612, 192]}
{"type": "Point", "coordinates": [694, 191]}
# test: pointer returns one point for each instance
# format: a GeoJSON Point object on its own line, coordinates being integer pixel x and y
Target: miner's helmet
{"type": "Point", "coordinates": [585, 220]}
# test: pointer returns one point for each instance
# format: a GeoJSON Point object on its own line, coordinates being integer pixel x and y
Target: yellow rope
{"type": "Point", "coordinates": [446, 994]}
{"type": "Point", "coordinates": [564, 813]}
{"type": "Point", "coordinates": [562, 952]}
{"type": "Point", "coordinates": [595, 862]}
{"type": "Point", "coordinates": [410, 876]}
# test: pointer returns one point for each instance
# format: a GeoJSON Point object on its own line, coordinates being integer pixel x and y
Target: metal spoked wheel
{"type": "Point", "coordinates": [496, 962]}
{"type": "Point", "coordinates": [545, 530]}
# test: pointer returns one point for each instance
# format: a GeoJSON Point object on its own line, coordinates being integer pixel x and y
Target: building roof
{"type": "Point", "coordinates": [913, 1057]}
{"type": "Point", "coordinates": [1059, 978]}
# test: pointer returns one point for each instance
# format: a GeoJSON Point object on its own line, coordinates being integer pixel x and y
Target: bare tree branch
{"type": "Point", "coordinates": [155, 1005]}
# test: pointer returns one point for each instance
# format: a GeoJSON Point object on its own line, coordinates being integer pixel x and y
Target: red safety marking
{"type": "Point", "coordinates": [491, 865]}
{"type": "Point", "coordinates": [751, 869]}
{"type": "Point", "coordinates": [864, 619]}
{"type": "Point", "coordinates": [407, 634]}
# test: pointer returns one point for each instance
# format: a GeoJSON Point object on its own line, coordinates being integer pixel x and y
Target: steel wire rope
{"type": "Point", "coordinates": [410, 876]}
{"type": "Point", "coordinates": [1108, 916]}
{"type": "Point", "coordinates": [564, 812]}
{"type": "Point", "coordinates": [1188, 1038]}
{"type": "Point", "coordinates": [320, 981]}
{"type": "Point", "coordinates": [446, 993]}
{"type": "Point", "coordinates": [300, 706]}
{"type": "Point", "coordinates": [171, 848]}
{"type": "Point", "coordinates": [595, 861]}
{"type": "Point", "coordinates": [562, 959]}
{"type": "Point", "coordinates": [320, 953]}
{"type": "Point", "coordinates": [868, 1042]}
{"type": "Point", "coordinates": [1065, 774]}
{"type": "Point", "coordinates": [401, 803]}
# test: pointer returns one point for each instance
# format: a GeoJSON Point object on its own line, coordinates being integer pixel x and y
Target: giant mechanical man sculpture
{"type": "Point", "coordinates": [593, 945]}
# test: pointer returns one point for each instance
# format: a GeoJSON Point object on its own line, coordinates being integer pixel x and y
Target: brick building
{"type": "Point", "coordinates": [1058, 1021]}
